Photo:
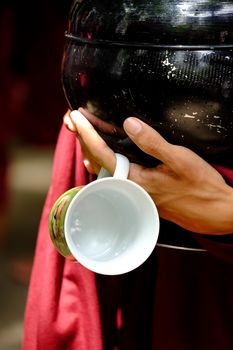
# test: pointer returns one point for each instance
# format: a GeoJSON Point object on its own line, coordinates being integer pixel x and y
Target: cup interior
{"type": "Point", "coordinates": [111, 226]}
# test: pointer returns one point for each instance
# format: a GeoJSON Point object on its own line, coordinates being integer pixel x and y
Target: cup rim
{"type": "Point", "coordinates": [127, 264]}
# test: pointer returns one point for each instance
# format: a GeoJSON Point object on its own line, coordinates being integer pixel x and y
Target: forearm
{"type": "Point", "coordinates": [206, 212]}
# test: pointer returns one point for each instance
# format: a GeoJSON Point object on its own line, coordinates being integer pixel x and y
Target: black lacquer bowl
{"type": "Point", "coordinates": [169, 63]}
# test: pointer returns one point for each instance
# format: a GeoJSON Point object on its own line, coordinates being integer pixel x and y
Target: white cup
{"type": "Point", "coordinates": [111, 225]}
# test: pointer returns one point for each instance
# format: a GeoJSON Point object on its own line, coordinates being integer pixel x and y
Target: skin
{"type": "Point", "coordinates": [185, 188]}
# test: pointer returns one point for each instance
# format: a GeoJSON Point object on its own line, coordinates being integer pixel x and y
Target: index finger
{"type": "Point", "coordinates": [96, 146]}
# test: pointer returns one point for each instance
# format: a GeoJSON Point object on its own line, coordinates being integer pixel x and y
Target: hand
{"type": "Point", "coordinates": [185, 188]}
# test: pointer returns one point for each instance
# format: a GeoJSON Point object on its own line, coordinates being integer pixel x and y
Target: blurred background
{"type": "Point", "coordinates": [32, 105]}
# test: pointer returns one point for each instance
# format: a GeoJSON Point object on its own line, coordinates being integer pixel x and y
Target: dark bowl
{"type": "Point", "coordinates": [170, 63]}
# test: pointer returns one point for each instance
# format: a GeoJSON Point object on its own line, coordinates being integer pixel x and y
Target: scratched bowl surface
{"type": "Point", "coordinates": [170, 63]}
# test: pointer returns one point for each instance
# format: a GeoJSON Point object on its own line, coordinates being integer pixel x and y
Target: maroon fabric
{"type": "Point", "coordinates": [193, 302]}
{"type": "Point", "coordinates": [178, 299]}
{"type": "Point", "coordinates": [62, 309]}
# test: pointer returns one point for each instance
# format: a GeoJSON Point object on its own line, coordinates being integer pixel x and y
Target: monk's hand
{"type": "Point", "coordinates": [185, 188]}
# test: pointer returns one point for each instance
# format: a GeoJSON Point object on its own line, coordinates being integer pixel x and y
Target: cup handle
{"type": "Point", "coordinates": [122, 167]}
{"type": "Point", "coordinates": [103, 173]}
{"type": "Point", "coordinates": [121, 170]}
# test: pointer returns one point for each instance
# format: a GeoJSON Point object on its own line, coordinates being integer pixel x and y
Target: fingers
{"type": "Point", "coordinates": [177, 158]}
{"type": "Point", "coordinates": [95, 146]}
{"type": "Point", "coordinates": [97, 153]}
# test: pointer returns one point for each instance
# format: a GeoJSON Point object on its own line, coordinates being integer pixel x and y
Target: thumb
{"type": "Point", "coordinates": [178, 158]}
{"type": "Point", "coordinates": [149, 140]}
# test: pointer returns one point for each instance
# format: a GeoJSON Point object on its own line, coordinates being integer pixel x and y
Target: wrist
{"type": "Point", "coordinates": [220, 220]}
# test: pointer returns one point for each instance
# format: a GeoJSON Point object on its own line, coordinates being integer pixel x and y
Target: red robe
{"type": "Point", "coordinates": [178, 299]}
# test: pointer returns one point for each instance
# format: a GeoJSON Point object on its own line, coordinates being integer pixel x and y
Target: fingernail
{"type": "Point", "coordinates": [132, 126]}
{"type": "Point", "coordinates": [75, 115]}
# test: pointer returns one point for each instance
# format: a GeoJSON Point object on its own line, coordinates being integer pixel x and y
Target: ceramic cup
{"type": "Point", "coordinates": [110, 226]}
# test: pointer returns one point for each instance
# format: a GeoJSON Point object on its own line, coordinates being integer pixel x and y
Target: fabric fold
{"type": "Point", "coordinates": [62, 310]}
